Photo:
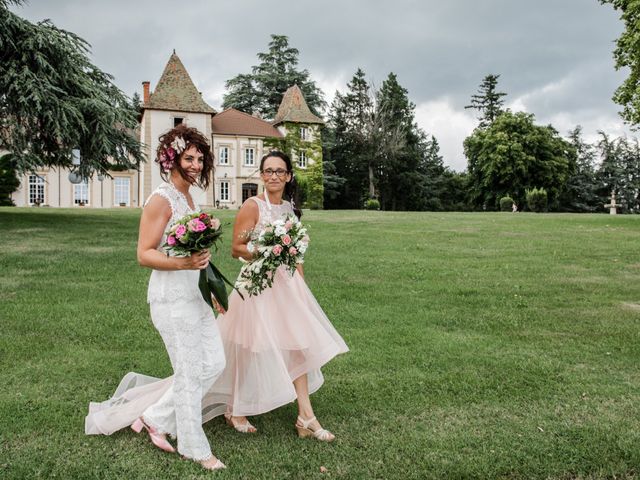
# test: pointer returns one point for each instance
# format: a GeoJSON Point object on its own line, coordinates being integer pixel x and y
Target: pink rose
{"type": "Point", "coordinates": [215, 223]}
{"type": "Point", "coordinates": [171, 153]}
{"type": "Point", "coordinates": [292, 251]}
{"type": "Point", "coordinates": [277, 249]}
{"type": "Point", "coordinates": [288, 225]}
{"type": "Point", "coordinates": [196, 225]}
{"type": "Point", "coordinates": [171, 240]}
{"type": "Point", "coordinates": [180, 231]}
{"type": "Point", "coordinates": [286, 240]}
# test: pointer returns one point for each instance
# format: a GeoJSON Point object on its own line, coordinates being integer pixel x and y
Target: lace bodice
{"type": "Point", "coordinates": [173, 285]}
{"type": "Point", "coordinates": [270, 212]}
{"type": "Point", "coordinates": [178, 203]}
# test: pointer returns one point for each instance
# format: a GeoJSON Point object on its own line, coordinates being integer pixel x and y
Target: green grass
{"type": "Point", "coordinates": [482, 346]}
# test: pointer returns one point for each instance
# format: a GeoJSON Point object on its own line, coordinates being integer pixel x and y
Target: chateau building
{"type": "Point", "coordinates": [238, 141]}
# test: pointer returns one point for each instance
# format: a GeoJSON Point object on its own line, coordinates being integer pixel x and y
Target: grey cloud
{"type": "Point", "coordinates": [438, 49]}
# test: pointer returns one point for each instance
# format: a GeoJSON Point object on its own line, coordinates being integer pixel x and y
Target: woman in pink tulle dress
{"type": "Point", "coordinates": [275, 342]}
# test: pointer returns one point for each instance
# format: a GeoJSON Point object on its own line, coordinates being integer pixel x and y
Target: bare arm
{"type": "Point", "coordinates": [154, 218]}
{"type": "Point", "coordinates": [246, 221]}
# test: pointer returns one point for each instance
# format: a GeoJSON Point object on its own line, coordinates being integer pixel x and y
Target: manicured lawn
{"type": "Point", "coordinates": [482, 346]}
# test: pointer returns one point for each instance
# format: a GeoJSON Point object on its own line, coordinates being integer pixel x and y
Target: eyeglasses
{"type": "Point", "coordinates": [279, 172]}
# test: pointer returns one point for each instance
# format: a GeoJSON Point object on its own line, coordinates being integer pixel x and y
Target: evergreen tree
{"type": "Point", "coordinates": [242, 94]}
{"type": "Point", "coordinates": [333, 183]}
{"type": "Point", "coordinates": [380, 151]}
{"type": "Point", "coordinates": [396, 170]}
{"type": "Point", "coordinates": [488, 101]}
{"type": "Point", "coordinates": [610, 174]}
{"type": "Point", "coordinates": [136, 104]}
{"type": "Point", "coordinates": [351, 119]}
{"type": "Point", "coordinates": [581, 190]}
{"type": "Point", "coordinates": [620, 170]}
{"type": "Point", "coordinates": [454, 193]}
{"type": "Point", "coordinates": [261, 91]}
{"type": "Point", "coordinates": [631, 168]}
{"type": "Point", "coordinates": [54, 100]}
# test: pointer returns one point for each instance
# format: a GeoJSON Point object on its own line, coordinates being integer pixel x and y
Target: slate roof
{"type": "Point", "coordinates": [176, 91]}
{"type": "Point", "coordinates": [294, 108]}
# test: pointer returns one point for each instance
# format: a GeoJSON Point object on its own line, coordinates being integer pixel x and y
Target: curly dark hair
{"type": "Point", "coordinates": [191, 137]}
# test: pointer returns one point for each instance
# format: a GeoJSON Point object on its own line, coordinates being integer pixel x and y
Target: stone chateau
{"type": "Point", "coordinates": [238, 142]}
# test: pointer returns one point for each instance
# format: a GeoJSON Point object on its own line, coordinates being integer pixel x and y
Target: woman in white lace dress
{"type": "Point", "coordinates": [184, 320]}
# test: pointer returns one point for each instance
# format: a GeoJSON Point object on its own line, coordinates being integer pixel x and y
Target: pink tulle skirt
{"type": "Point", "coordinates": [270, 340]}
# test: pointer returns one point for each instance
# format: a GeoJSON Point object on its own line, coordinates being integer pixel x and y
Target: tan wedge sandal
{"type": "Point", "coordinates": [240, 427]}
{"type": "Point", "coordinates": [302, 426]}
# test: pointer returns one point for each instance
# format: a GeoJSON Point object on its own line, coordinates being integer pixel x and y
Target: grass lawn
{"type": "Point", "coordinates": [483, 345]}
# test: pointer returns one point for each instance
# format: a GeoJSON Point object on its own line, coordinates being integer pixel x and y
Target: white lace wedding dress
{"type": "Point", "coordinates": [187, 326]}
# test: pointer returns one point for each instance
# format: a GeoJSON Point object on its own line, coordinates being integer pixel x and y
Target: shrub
{"type": "Point", "coordinates": [537, 200]}
{"type": "Point", "coordinates": [506, 204]}
{"type": "Point", "coordinates": [372, 204]}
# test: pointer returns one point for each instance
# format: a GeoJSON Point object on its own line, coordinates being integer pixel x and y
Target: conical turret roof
{"type": "Point", "coordinates": [176, 90]}
{"type": "Point", "coordinates": [294, 108]}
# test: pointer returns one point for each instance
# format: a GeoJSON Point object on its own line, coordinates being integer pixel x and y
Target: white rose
{"type": "Point", "coordinates": [178, 145]}
{"type": "Point", "coordinates": [280, 230]}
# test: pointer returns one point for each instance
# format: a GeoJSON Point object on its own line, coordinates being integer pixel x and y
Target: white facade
{"type": "Point", "coordinates": [155, 123]}
{"type": "Point", "coordinates": [237, 162]}
{"type": "Point", "coordinates": [51, 187]}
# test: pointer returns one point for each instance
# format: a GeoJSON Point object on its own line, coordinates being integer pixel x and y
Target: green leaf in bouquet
{"type": "Point", "coordinates": [203, 285]}
{"type": "Point", "coordinates": [215, 281]}
{"type": "Point", "coordinates": [224, 279]}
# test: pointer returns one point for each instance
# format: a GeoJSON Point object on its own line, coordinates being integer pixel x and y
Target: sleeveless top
{"type": "Point", "coordinates": [173, 285]}
{"type": "Point", "coordinates": [270, 212]}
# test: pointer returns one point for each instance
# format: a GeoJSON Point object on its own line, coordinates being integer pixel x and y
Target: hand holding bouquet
{"type": "Point", "coordinates": [281, 243]}
{"type": "Point", "coordinates": [194, 233]}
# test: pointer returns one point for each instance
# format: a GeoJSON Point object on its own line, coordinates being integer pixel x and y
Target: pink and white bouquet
{"type": "Point", "coordinates": [193, 233]}
{"type": "Point", "coordinates": [281, 243]}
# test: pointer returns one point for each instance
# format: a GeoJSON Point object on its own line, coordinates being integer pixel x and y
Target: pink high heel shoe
{"type": "Point", "coordinates": [158, 439]}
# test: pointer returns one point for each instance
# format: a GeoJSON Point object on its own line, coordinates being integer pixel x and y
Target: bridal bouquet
{"type": "Point", "coordinates": [194, 233]}
{"type": "Point", "coordinates": [281, 243]}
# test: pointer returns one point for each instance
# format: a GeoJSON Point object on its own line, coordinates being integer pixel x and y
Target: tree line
{"type": "Point", "coordinates": [374, 152]}
{"type": "Point", "coordinates": [376, 155]}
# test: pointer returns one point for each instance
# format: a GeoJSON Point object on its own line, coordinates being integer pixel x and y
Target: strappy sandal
{"type": "Point", "coordinates": [302, 426]}
{"type": "Point", "coordinates": [240, 427]}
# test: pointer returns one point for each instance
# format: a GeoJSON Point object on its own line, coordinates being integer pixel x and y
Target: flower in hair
{"type": "Point", "coordinates": [166, 159]}
{"type": "Point", "coordinates": [178, 144]}
{"type": "Point", "coordinates": [168, 155]}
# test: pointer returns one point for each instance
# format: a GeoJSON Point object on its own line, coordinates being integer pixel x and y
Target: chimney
{"type": "Point", "coordinates": [145, 90]}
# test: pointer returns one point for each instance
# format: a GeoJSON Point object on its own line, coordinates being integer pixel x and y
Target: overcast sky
{"type": "Point", "coordinates": [554, 56]}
